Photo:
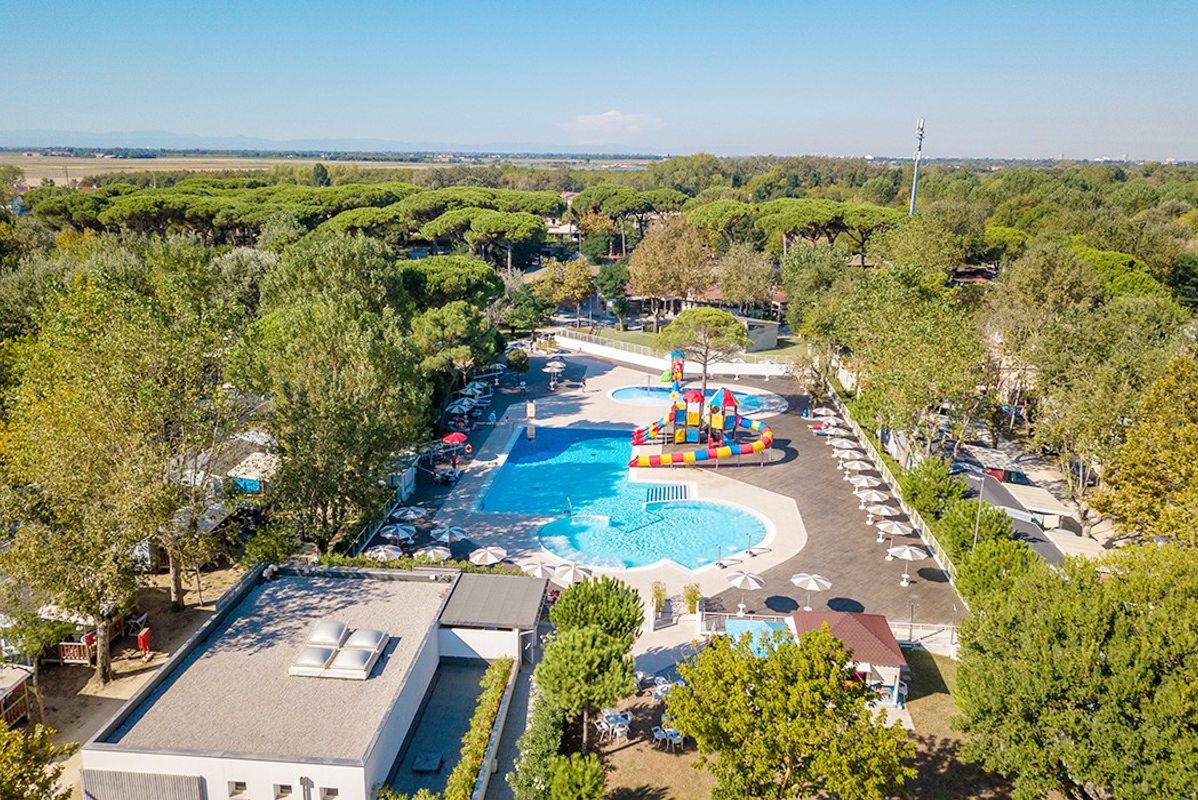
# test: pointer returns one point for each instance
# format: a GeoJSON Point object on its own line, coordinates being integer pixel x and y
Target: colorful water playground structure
{"type": "Point", "coordinates": [691, 420]}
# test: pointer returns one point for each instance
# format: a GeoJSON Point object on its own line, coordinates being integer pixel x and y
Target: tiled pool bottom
{"type": "Point", "coordinates": [580, 475]}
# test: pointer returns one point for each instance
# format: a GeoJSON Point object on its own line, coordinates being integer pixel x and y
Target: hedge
{"type": "Point", "coordinates": [460, 785]}
{"type": "Point", "coordinates": [408, 562]}
{"type": "Point", "coordinates": [540, 742]}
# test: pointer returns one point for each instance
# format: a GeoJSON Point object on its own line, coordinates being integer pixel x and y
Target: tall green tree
{"type": "Point", "coordinates": [792, 723]}
{"type": "Point", "coordinates": [584, 669]}
{"type": "Point", "coordinates": [346, 395]}
{"type": "Point", "coordinates": [566, 283]}
{"type": "Point", "coordinates": [706, 335]}
{"type": "Point", "coordinates": [670, 262]}
{"type": "Point", "coordinates": [82, 451]}
{"type": "Point", "coordinates": [745, 276]}
{"type": "Point", "coordinates": [604, 602]}
{"type": "Point", "coordinates": [1079, 679]}
{"type": "Point", "coordinates": [612, 283]}
{"type": "Point", "coordinates": [1151, 483]}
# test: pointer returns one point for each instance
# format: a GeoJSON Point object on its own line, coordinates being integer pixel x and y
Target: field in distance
{"type": "Point", "coordinates": [63, 169]}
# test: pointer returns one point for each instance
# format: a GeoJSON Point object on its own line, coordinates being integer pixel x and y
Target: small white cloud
{"type": "Point", "coordinates": [608, 127]}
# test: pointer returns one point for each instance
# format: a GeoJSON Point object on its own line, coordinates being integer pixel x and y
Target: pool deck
{"type": "Point", "coordinates": [785, 534]}
{"type": "Point", "coordinates": [817, 523]}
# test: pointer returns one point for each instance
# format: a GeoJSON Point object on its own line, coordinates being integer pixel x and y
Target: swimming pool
{"type": "Point", "coordinates": [660, 395]}
{"type": "Point", "coordinates": [580, 475]}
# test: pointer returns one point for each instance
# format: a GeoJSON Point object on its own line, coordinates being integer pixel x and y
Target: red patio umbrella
{"type": "Point", "coordinates": [693, 396]}
{"type": "Point", "coordinates": [457, 437]}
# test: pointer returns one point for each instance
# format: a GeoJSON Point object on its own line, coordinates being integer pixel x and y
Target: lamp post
{"type": "Point", "coordinates": [977, 522]}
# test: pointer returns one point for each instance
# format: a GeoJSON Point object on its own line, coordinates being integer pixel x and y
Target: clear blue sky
{"type": "Point", "coordinates": [1028, 79]}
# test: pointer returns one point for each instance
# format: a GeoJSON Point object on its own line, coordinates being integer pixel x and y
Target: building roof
{"type": "Point", "coordinates": [867, 635]}
{"type": "Point", "coordinates": [230, 691]}
{"type": "Point", "coordinates": [1035, 498]}
{"type": "Point", "coordinates": [11, 677]}
{"type": "Point", "coordinates": [495, 601]}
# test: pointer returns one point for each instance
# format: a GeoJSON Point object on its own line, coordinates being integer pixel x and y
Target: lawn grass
{"type": "Point", "coordinates": [942, 773]}
{"type": "Point", "coordinates": [643, 338]}
{"type": "Point", "coordinates": [788, 346]}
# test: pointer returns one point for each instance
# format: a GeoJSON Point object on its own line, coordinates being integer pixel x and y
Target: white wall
{"type": "Point", "coordinates": [260, 776]}
{"type": "Point", "coordinates": [478, 643]}
{"type": "Point", "coordinates": [395, 727]}
{"type": "Point", "coordinates": [773, 369]}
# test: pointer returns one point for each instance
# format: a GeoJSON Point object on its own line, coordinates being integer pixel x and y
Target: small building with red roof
{"type": "Point", "coordinates": [875, 652]}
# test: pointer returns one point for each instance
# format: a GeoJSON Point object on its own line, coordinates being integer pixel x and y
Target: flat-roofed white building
{"type": "Point", "coordinates": [303, 686]}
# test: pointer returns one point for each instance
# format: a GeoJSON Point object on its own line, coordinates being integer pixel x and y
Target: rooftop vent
{"type": "Point", "coordinates": [334, 651]}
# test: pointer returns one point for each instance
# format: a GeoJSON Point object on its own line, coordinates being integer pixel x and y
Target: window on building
{"type": "Point", "coordinates": [282, 790]}
{"type": "Point", "coordinates": [329, 794]}
{"type": "Point", "coordinates": [238, 789]}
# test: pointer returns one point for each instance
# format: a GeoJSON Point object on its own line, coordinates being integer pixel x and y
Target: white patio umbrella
{"type": "Point", "coordinates": [571, 573]}
{"type": "Point", "coordinates": [460, 406]}
{"type": "Point", "coordinates": [824, 412]}
{"type": "Point", "coordinates": [474, 390]}
{"type": "Point", "coordinates": [891, 528]}
{"type": "Point", "coordinates": [384, 552]}
{"type": "Point", "coordinates": [811, 583]}
{"type": "Point", "coordinates": [539, 569]}
{"type": "Point", "coordinates": [746, 582]}
{"type": "Point", "coordinates": [865, 481]}
{"type": "Point", "coordinates": [556, 364]}
{"type": "Point", "coordinates": [847, 454]}
{"type": "Point", "coordinates": [879, 510]}
{"type": "Point", "coordinates": [486, 556]}
{"type": "Point", "coordinates": [409, 513]}
{"type": "Point", "coordinates": [841, 443]}
{"type": "Point", "coordinates": [448, 533]}
{"type": "Point", "coordinates": [906, 553]}
{"type": "Point", "coordinates": [870, 496]}
{"type": "Point", "coordinates": [435, 552]}
{"type": "Point", "coordinates": [837, 432]}
{"type": "Point", "coordinates": [395, 532]}
{"type": "Point", "coordinates": [480, 385]}
{"type": "Point", "coordinates": [855, 466]}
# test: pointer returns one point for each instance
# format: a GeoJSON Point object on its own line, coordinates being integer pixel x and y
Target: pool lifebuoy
{"type": "Point", "coordinates": [469, 449]}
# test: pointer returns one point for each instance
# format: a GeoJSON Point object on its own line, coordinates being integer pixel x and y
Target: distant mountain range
{"type": "Point", "coordinates": [39, 138]}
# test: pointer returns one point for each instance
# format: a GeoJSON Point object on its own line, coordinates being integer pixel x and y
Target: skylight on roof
{"type": "Point", "coordinates": [334, 651]}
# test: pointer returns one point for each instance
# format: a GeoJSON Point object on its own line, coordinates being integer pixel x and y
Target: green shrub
{"type": "Point", "coordinates": [955, 529]}
{"type": "Point", "coordinates": [576, 777]}
{"type": "Point", "coordinates": [460, 784]}
{"type": "Point", "coordinates": [517, 360]}
{"type": "Point", "coordinates": [659, 596]}
{"type": "Point", "coordinates": [931, 488]}
{"type": "Point", "coordinates": [990, 567]}
{"type": "Point", "coordinates": [538, 745]}
{"type": "Point", "coordinates": [408, 562]}
{"type": "Point", "coordinates": [691, 595]}
{"type": "Point", "coordinates": [604, 602]}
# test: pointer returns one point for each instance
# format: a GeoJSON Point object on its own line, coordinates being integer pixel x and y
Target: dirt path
{"type": "Point", "coordinates": [77, 707]}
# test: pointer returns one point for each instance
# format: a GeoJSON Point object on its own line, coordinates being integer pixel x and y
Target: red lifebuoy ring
{"type": "Point", "coordinates": [469, 449]}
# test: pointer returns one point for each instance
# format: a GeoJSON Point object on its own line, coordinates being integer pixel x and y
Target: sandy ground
{"type": "Point", "coordinates": [77, 707]}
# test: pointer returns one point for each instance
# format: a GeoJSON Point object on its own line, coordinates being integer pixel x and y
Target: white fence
{"type": "Point", "coordinates": [917, 521]}
{"type": "Point", "coordinates": [651, 358]}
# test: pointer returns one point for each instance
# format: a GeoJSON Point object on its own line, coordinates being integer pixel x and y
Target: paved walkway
{"type": "Point", "coordinates": [840, 546]}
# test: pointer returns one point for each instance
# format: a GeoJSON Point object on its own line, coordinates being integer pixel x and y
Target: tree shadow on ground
{"type": "Point", "coordinates": [932, 574]}
{"type": "Point", "coordinates": [943, 775]}
{"type": "Point", "coordinates": [639, 793]}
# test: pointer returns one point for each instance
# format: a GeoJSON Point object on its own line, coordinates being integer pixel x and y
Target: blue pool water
{"type": "Point", "coordinates": [660, 395]}
{"type": "Point", "coordinates": [586, 470]}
